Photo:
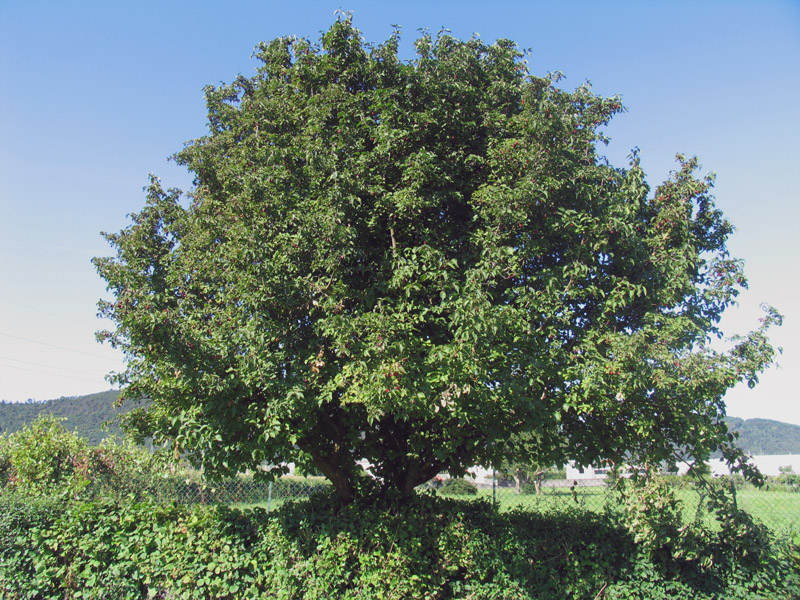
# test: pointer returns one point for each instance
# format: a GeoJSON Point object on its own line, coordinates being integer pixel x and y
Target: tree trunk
{"type": "Point", "coordinates": [400, 469]}
{"type": "Point", "coordinates": [330, 465]}
{"type": "Point", "coordinates": [330, 455]}
{"type": "Point", "coordinates": [538, 477]}
{"type": "Point", "coordinates": [415, 475]}
{"type": "Point", "coordinates": [339, 478]}
{"type": "Point", "coordinates": [521, 479]}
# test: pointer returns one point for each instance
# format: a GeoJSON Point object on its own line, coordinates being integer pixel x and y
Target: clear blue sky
{"type": "Point", "coordinates": [95, 95]}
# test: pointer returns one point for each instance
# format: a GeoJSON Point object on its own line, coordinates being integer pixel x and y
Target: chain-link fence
{"type": "Point", "coordinates": [777, 505]}
{"type": "Point", "coordinates": [243, 491]}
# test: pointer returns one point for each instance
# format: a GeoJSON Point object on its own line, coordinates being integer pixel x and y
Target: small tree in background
{"type": "Point", "coordinates": [419, 264]}
{"type": "Point", "coordinates": [523, 469]}
{"type": "Point", "coordinates": [43, 457]}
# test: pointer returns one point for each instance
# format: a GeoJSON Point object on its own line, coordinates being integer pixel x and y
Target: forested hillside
{"type": "Point", "coordinates": [84, 414]}
{"type": "Point", "coordinates": [763, 436]}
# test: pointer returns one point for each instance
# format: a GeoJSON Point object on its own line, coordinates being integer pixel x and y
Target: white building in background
{"type": "Point", "coordinates": [577, 472]}
{"type": "Point", "coordinates": [768, 464]}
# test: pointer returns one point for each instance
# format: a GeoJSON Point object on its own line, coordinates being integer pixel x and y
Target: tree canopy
{"type": "Point", "coordinates": [418, 264]}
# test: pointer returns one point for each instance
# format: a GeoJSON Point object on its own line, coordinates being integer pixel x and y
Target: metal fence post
{"type": "Point", "coordinates": [269, 497]}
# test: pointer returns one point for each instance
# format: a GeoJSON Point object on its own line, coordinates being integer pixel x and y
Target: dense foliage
{"type": "Point", "coordinates": [431, 548]}
{"type": "Point", "coordinates": [45, 459]}
{"type": "Point", "coordinates": [418, 264]}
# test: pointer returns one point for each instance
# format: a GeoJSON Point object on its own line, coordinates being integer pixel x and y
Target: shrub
{"type": "Point", "coordinates": [97, 545]}
{"type": "Point", "coordinates": [786, 481]}
{"type": "Point", "coordinates": [458, 487]}
{"type": "Point", "coordinates": [44, 457]}
{"type": "Point", "coordinates": [529, 487]}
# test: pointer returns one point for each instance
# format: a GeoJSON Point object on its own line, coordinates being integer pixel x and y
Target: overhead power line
{"type": "Point", "coordinates": [37, 310]}
{"type": "Point", "coordinates": [28, 362]}
{"type": "Point", "coordinates": [51, 374]}
{"type": "Point", "coordinates": [16, 337]}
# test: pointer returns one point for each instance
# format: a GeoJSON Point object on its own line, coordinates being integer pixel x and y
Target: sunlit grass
{"type": "Point", "coordinates": [778, 510]}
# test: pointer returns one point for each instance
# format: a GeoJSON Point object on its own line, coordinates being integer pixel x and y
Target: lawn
{"type": "Point", "coordinates": [778, 510]}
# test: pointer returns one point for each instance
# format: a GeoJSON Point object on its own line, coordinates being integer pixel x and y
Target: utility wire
{"type": "Point", "coordinates": [27, 362]}
{"type": "Point", "coordinates": [39, 311]}
{"type": "Point", "coordinates": [16, 337]}
{"type": "Point", "coordinates": [50, 374]}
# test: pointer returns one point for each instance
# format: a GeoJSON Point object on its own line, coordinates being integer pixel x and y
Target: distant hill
{"type": "Point", "coordinates": [763, 436]}
{"type": "Point", "coordinates": [84, 414]}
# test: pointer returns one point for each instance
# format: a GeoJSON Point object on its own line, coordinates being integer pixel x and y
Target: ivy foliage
{"type": "Point", "coordinates": [419, 264]}
{"type": "Point", "coordinates": [428, 548]}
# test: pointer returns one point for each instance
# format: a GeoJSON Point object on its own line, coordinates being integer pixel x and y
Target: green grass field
{"type": "Point", "coordinates": [778, 510]}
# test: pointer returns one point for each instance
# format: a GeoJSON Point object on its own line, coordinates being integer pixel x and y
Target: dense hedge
{"type": "Point", "coordinates": [436, 548]}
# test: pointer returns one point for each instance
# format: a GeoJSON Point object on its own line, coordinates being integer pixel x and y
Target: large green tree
{"type": "Point", "coordinates": [417, 264]}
